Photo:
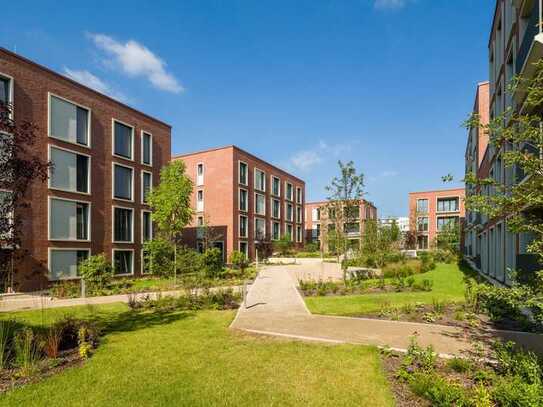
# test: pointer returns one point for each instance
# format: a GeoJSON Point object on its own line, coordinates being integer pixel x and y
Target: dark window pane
{"type": "Point", "coordinates": [82, 173]}
{"type": "Point", "coordinates": [122, 262]}
{"type": "Point", "coordinates": [146, 148]}
{"type": "Point", "coordinates": [123, 182]}
{"type": "Point", "coordinates": [146, 185]}
{"type": "Point", "coordinates": [4, 90]}
{"type": "Point", "coordinates": [82, 126]}
{"type": "Point", "coordinates": [123, 225]}
{"type": "Point", "coordinates": [123, 140]}
{"type": "Point", "coordinates": [82, 224]}
{"type": "Point", "coordinates": [147, 226]}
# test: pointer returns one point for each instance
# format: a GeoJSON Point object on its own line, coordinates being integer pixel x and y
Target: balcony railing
{"type": "Point", "coordinates": [532, 30]}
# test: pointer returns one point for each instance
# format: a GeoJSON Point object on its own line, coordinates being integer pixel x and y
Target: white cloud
{"type": "Point", "coordinates": [307, 159]}
{"type": "Point", "coordinates": [134, 59]}
{"type": "Point", "coordinates": [390, 4]}
{"type": "Point", "coordinates": [92, 81]}
{"type": "Point", "coordinates": [387, 174]}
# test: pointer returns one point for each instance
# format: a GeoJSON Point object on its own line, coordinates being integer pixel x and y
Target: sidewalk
{"type": "Point", "coordinates": [274, 307]}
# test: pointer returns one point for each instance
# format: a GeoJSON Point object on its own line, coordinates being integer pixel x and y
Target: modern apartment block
{"type": "Point", "coordinates": [106, 156]}
{"type": "Point", "coordinates": [433, 211]}
{"type": "Point", "coordinates": [319, 222]}
{"type": "Point", "coordinates": [243, 200]}
{"type": "Point", "coordinates": [516, 42]}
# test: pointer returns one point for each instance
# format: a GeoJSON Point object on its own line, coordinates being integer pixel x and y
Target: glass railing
{"type": "Point", "coordinates": [532, 30]}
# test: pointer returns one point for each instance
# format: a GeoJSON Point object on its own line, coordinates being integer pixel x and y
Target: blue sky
{"type": "Point", "coordinates": [385, 83]}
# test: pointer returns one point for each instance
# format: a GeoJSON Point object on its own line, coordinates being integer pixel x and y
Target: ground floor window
{"type": "Point", "coordinates": [123, 262]}
{"type": "Point", "coordinates": [244, 248]}
{"type": "Point", "coordinates": [276, 231]}
{"type": "Point", "coordinates": [299, 234]}
{"type": "Point", "coordinates": [63, 264]}
{"type": "Point", "coordinates": [288, 232]}
{"type": "Point", "coordinates": [422, 242]}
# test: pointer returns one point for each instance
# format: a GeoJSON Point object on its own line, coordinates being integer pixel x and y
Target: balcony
{"type": "Point", "coordinates": [531, 47]}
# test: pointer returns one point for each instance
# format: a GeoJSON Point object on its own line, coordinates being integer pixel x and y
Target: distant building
{"type": "Point", "coordinates": [402, 222]}
{"type": "Point", "coordinates": [432, 211]}
{"type": "Point", "coordinates": [318, 222]}
{"type": "Point", "coordinates": [243, 199]}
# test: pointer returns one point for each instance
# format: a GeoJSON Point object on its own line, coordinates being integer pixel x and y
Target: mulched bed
{"type": "Point", "coordinates": [402, 394]}
{"type": "Point", "coordinates": [10, 380]}
{"type": "Point", "coordinates": [343, 291]}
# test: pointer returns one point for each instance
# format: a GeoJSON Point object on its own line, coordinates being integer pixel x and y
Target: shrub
{"type": "Point", "coordinates": [7, 332]}
{"type": "Point", "coordinates": [96, 270]}
{"type": "Point", "coordinates": [213, 262]}
{"type": "Point", "coordinates": [312, 247]}
{"type": "Point", "coordinates": [189, 261]}
{"type": "Point", "coordinates": [419, 358]}
{"type": "Point", "coordinates": [27, 353]}
{"type": "Point", "coordinates": [437, 390]}
{"type": "Point", "coordinates": [51, 341]}
{"type": "Point", "coordinates": [501, 302]}
{"type": "Point", "coordinates": [239, 260]}
{"type": "Point", "coordinates": [514, 391]}
{"type": "Point", "coordinates": [517, 362]}
{"type": "Point", "coordinates": [159, 255]}
{"type": "Point", "coordinates": [85, 346]}
{"type": "Point", "coordinates": [459, 365]}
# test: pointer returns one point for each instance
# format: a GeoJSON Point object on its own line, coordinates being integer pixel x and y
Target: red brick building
{"type": "Point", "coordinates": [431, 211]}
{"type": "Point", "coordinates": [105, 156]}
{"type": "Point", "coordinates": [243, 199]}
{"type": "Point", "coordinates": [317, 222]}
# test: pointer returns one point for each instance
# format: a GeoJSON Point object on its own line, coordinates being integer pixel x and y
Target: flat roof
{"type": "Point", "coordinates": [325, 202]}
{"type": "Point", "coordinates": [439, 190]}
{"type": "Point", "coordinates": [80, 85]}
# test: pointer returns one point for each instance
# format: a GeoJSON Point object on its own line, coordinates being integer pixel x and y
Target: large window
{"type": "Point", "coordinates": [447, 223]}
{"type": "Point", "coordinates": [243, 171]}
{"type": "Point", "coordinates": [69, 171]}
{"type": "Point", "coordinates": [276, 231]}
{"type": "Point", "coordinates": [298, 195]}
{"type": "Point", "coordinates": [260, 180]}
{"type": "Point", "coordinates": [146, 185]}
{"type": "Point", "coordinates": [299, 234]}
{"type": "Point", "coordinates": [422, 242]}
{"type": "Point", "coordinates": [260, 229]}
{"type": "Point", "coordinates": [243, 200]}
{"type": "Point", "coordinates": [5, 89]}
{"type": "Point", "coordinates": [123, 140]}
{"type": "Point", "coordinates": [146, 226]}
{"type": "Point", "coordinates": [200, 174]}
{"type": "Point", "coordinates": [276, 186]}
{"type": "Point", "coordinates": [122, 224]}
{"type": "Point", "coordinates": [244, 248]}
{"type": "Point", "coordinates": [68, 122]}
{"type": "Point", "coordinates": [288, 232]}
{"type": "Point", "coordinates": [146, 149]}
{"type": "Point", "coordinates": [422, 205]}
{"type": "Point", "coordinates": [422, 224]}
{"type": "Point", "coordinates": [123, 262]}
{"type": "Point", "coordinates": [200, 200]}
{"type": "Point", "coordinates": [260, 204]}
{"type": "Point", "coordinates": [63, 264]}
{"type": "Point", "coordinates": [299, 214]}
{"type": "Point", "coordinates": [123, 180]}
{"type": "Point", "coordinates": [276, 208]}
{"type": "Point", "coordinates": [68, 220]}
{"type": "Point", "coordinates": [289, 209]}
{"type": "Point", "coordinates": [243, 226]}
{"type": "Point", "coordinates": [447, 204]}
{"type": "Point", "coordinates": [289, 191]}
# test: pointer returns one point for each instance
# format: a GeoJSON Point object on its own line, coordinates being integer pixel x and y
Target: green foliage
{"type": "Point", "coordinates": [514, 392]}
{"type": "Point", "coordinates": [437, 390]}
{"type": "Point", "coordinates": [459, 365]}
{"type": "Point", "coordinates": [516, 362]}
{"type": "Point", "coordinates": [239, 260]}
{"type": "Point", "coordinates": [312, 247]}
{"type": "Point", "coordinates": [7, 332]}
{"type": "Point", "coordinates": [27, 352]}
{"type": "Point", "coordinates": [283, 245]}
{"type": "Point", "coordinates": [189, 261]}
{"type": "Point", "coordinates": [212, 261]}
{"type": "Point", "coordinates": [215, 300]}
{"type": "Point", "coordinates": [96, 270]}
{"type": "Point", "coordinates": [159, 255]}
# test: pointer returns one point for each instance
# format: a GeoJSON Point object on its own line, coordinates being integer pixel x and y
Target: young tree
{"type": "Point", "coordinates": [171, 204]}
{"type": "Point", "coordinates": [208, 234]}
{"type": "Point", "coordinates": [518, 138]}
{"type": "Point", "coordinates": [19, 168]}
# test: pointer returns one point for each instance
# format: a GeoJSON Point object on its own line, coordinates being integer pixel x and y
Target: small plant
{"type": "Point", "coordinates": [438, 306]}
{"type": "Point", "coordinates": [239, 260]}
{"type": "Point", "coordinates": [459, 365]}
{"type": "Point", "coordinates": [85, 347]}
{"type": "Point", "coordinates": [7, 330]}
{"type": "Point", "coordinates": [408, 309]}
{"type": "Point", "coordinates": [96, 270]}
{"type": "Point", "coordinates": [27, 353]}
{"type": "Point", "coordinates": [51, 342]}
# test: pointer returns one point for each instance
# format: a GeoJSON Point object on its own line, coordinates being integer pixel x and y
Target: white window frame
{"type": "Point", "coordinates": [89, 222]}
{"type": "Point", "coordinates": [142, 192]}
{"type": "Point", "coordinates": [272, 200]}
{"type": "Point", "coordinates": [239, 200]}
{"type": "Point", "coordinates": [298, 189]}
{"type": "Point", "coordinates": [447, 198]}
{"type": "Point", "coordinates": [132, 192]}
{"type": "Point", "coordinates": [198, 200]}
{"type": "Point", "coordinates": [113, 261]}
{"type": "Point", "coordinates": [246, 253]}
{"type": "Point", "coordinates": [427, 205]}
{"type": "Point", "coordinates": [279, 183]}
{"type": "Point", "coordinates": [299, 219]}
{"type": "Point", "coordinates": [299, 234]}
{"type": "Point", "coordinates": [239, 173]}
{"type": "Point", "coordinates": [89, 120]}
{"type": "Point", "coordinates": [273, 223]}
{"type": "Point", "coordinates": [289, 198]}
{"type": "Point", "coordinates": [291, 220]}
{"type": "Point", "coordinates": [11, 89]}
{"type": "Point", "coordinates": [64, 249]}
{"type": "Point", "coordinates": [292, 237]}
{"type": "Point", "coordinates": [113, 225]}
{"type": "Point", "coordinates": [142, 132]}
{"type": "Point", "coordinates": [113, 120]}
{"type": "Point", "coordinates": [246, 229]}
{"type": "Point", "coordinates": [255, 172]}
{"type": "Point", "coordinates": [198, 182]}
{"type": "Point", "coordinates": [256, 200]}
{"type": "Point", "coordinates": [143, 224]}
{"type": "Point", "coordinates": [263, 220]}
{"type": "Point", "coordinates": [89, 172]}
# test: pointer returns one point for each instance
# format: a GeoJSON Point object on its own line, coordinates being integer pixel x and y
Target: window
{"type": "Point", "coordinates": [422, 205]}
{"type": "Point", "coordinates": [447, 223]}
{"type": "Point", "coordinates": [289, 212]}
{"type": "Point", "coordinates": [243, 200]}
{"type": "Point", "coordinates": [5, 89]}
{"type": "Point", "coordinates": [299, 214]}
{"type": "Point", "coordinates": [70, 171]}
{"type": "Point", "coordinates": [276, 208]}
{"type": "Point", "coordinates": [276, 231]}
{"type": "Point", "coordinates": [200, 221]}
{"type": "Point", "coordinates": [260, 180]}
{"type": "Point", "coordinates": [63, 264]}
{"type": "Point", "coordinates": [68, 122]}
{"type": "Point", "coordinates": [289, 191]}
{"type": "Point", "coordinates": [298, 195]}
{"type": "Point", "coordinates": [260, 229]}
{"type": "Point", "coordinates": [352, 228]}
{"type": "Point", "coordinates": [243, 226]}
{"type": "Point", "coordinates": [260, 204]}
{"type": "Point", "coordinates": [123, 262]}
{"type": "Point", "coordinates": [68, 220]}
{"type": "Point", "coordinates": [123, 140]}
{"type": "Point", "coordinates": [122, 221]}
{"type": "Point", "coordinates": [422, 242]}
{"type": "Point", "coordinates": [422, 224]}
{"type": "Point", "coordinates": [243, 170]}
{"type": "Point", "coordinates": [200, 200]}
{"type": "Point", "coordinates": [147, 226]}
{"type": "Point", "coordinates": [288, 232]}
{"type": "Point", "coordinates": [200, 174]}
{"type": "Point", "coordinates": [146, 148]}
{"type": "Point", "coordinates": [447, 204]}
{"type": "Point", "coordinates": [122, 180]}
{"type": "Point", "coordinates": [316, 214]}
{"type": "Point", "coordinates": [244, 248]}
{"type": "Point", "coordinates": [298, 234]}
{"type": "Point", "coordinates": [276, 186]}
{"type": "Point", "coordinates": [146, 185]}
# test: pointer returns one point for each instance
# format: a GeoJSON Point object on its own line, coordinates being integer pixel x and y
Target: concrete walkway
{"type": "Point", "coordinates": [274, 307]}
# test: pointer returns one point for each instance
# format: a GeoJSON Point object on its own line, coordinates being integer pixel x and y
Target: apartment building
{"type": "Point", "coordinates": [319, 221]}
{"type": "Point", "coordinates": [516, 42]}
{"type": "Point", "coordinates": [243, 199]}
{"type": "Point", "coordinates": [105, 157]}
{"type": "Point", "coordinates": [433, 211]}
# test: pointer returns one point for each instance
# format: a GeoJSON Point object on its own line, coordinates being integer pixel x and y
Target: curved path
{"type": "Point", "coordinates": [275, 307]}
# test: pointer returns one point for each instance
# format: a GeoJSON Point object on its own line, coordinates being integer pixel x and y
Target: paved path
{"type": "Point", "coordinates": [274, 307]}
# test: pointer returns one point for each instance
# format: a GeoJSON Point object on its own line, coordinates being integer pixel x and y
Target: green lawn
{"type": "Point", "coordinates": [194, 360]}
{"type": "Point", "coordinates": [448, 286]}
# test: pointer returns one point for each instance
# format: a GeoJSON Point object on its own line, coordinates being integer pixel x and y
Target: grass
{"type": "Point", "coordinates": [192, 359]}
{"type": "Point", "coordinates": [448, 286]}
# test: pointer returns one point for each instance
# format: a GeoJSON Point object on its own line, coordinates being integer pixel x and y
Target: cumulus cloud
{"type": "Point", "coordinates": [306, 159]}
{"type": "Point", "coordinates": [390, 4]}
{"type": "Point", "coordinates": [134, 59]}
{"type": "Point", "coordinates": [92, 81]}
